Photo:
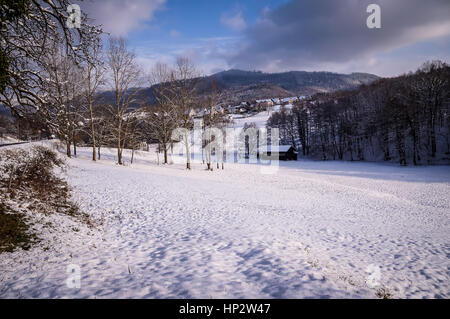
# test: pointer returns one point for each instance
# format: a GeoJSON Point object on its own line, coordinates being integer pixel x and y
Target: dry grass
{"type": "Point", "coordinates": [383, 293]}
{"type": "Point", "coordinates": [14, 232]}
{"type": "Point", "coordinates": [29, 181]}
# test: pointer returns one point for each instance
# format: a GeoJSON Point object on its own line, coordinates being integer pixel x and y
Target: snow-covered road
{"type": "Point", "coordinates": [314, 229]}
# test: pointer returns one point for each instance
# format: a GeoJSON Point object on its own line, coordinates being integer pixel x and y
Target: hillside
{"type": "Point", "coordinates": [296, 82]}
{"type": "Point", "coordinates": [237, 85]}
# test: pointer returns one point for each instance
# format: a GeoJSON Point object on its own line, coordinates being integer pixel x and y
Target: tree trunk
{"type": "Point", "coordinates": [157, 154]}
{"type": "Point", "coordinates": [94, 157]}
{"type": "Point", "coordinates": [415, 143]}
{"type": "Point", "coordinates": [188, 153]}
{"type": "Point", "coordinates": [119, 126]}
{"type": "Point", "coordinates": [119, 146]}
{"type": "Point", "coordinates": [164, 145]}
{"type": "Point", "coordinates": [92, 132]}
{"type": "Point", "coordinates": [431, 135]}
{"type": "Point", "coordinates": [166, 161]}
{"type": "Point", "coordinates": [91, 112]}
{"type": "Point", "coordinates": [119, 153]}
{"type": "Point", "coordinates": [69, 154]}
{"type": "Point", "coordinates": [400, 147]}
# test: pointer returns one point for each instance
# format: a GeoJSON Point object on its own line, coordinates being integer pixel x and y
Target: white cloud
{"type": "Point", "coordinates": [120, 17]}
{"type": "Point", "coordinates": [235, 22]}
{"type": "Point", "coordinates": [208, 54]}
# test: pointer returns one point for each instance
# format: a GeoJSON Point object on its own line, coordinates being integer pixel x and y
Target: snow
{"type": "Point", "coordinates": [260, 119]}
{"type": "Point", "coordinates": [8, 140]}
{"type": "Point", "coordinates": [312, 230]}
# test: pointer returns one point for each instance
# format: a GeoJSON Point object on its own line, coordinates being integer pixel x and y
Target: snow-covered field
{"type": "Point", "coordinates": [313, 230]}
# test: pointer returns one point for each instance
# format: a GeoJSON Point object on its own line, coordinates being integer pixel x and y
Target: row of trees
{"type": "Point", "coordinates": [404, 119]}
{"type": "Point", "coordinates": [58, 75]}
{"type": "Point", "coordinates": [178, 103]}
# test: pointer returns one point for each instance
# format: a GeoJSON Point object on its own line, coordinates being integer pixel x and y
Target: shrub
{"type": "Point", "coordinates": [14, 232]}
{"type": "Point", "coordinates": [31, 169]}
{"type": "Point", "coordinates": [29, 180]}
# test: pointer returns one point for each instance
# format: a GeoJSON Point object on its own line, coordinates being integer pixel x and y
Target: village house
{"type": "Point", "coordinates": [263, 105]}
{"type": "Point", "coordinates": [284, 153]}
{"type": "Point", "coordinates": [276, 101]}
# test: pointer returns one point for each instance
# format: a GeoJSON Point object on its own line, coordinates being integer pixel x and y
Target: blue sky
{"type": "Point", "coordinates": [201, 18]}
{"type": "Point", "coordinates": [280, 35]}
{"type": "Point", "coordinates": [183, 27]}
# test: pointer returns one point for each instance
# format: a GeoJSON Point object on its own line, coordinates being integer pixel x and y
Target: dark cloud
{"type": "Point", "coordinates": [320, 32]}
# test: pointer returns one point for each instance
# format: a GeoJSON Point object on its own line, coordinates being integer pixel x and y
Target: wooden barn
{"type": "Point", "coordinates": [284, 152]}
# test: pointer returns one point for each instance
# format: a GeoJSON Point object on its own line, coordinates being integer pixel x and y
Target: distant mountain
{"type": "Point", "coordinates": [292, 83]}
{"type": "Point", "coordinates": [236, 94]}
{"type": "Point", "coordinates": [237, 85]}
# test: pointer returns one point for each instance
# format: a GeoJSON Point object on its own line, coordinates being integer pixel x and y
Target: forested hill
{"type": "Point", "coordinates": [295, 82]}
{"type": "Point", "coordinates": [404, 119]}
{"type": "Point", "coordinates": [237, 85]}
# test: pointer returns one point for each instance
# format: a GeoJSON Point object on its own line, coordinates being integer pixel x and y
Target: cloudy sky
{"type": "Point", "coordinates": [280, 35]}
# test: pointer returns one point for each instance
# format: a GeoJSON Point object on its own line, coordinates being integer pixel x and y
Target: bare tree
{"type": "Point", "coordinates": [214, 119]}
{"type": "Point", "coordinates": [135, 131]}
{"type": "Point", "coordinates": [161, 117]}
{"type": "Point", "coordinates": [186, 79]}
{"type": "Point", "coordinates": [27, 34]}
{"type": "Point", "coordinates": [126, 77]}
{"type": "Point", "coordinates": [103, 135]}
{"type": "Point", "coordinates": [431, 88]}
{"type": "Point", "coordinates": [62, 85]}
{"type": "Point", "coordinates": [94, 71]}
